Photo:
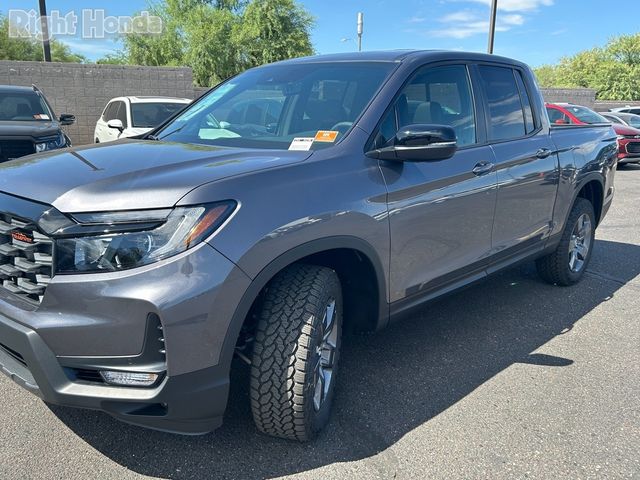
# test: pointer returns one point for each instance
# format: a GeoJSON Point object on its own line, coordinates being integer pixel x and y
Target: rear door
{"type": "Point", "coordinates": [525, 160]}
{"type": "Point", "coordinates": [441, 212]}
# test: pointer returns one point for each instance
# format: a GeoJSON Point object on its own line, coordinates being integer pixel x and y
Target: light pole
{"type": "Point", "coordinates": [360, 28]}
{"type": "Point", "coordinates": [44, 28]}
{"type": "Point", "coordinates": [492, 24]}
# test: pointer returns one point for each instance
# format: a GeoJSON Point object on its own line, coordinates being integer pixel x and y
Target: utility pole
{"type": "Point", "coordinates": [360, 25]}
{"type": "Point", "coordinates": [492, 24]}
{"type": "Point", "coordinates": [44, 28]}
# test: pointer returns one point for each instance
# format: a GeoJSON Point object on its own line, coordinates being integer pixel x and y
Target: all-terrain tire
{"type": "Point", "coordinates": [554, 268]}
{"type": "Point", "coordinates": [289, 335]}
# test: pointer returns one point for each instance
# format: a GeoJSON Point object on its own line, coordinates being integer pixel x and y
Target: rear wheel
{"type": "Point", "coordinates": [296, 352]}
{"type": "Point", "coordinates": [568, 262]}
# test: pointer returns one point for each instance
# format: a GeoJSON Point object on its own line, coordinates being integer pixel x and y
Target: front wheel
{"type": "Point", "coordinates": [568, 262]}
{"type": "Point", "coordinates": [296, 352]}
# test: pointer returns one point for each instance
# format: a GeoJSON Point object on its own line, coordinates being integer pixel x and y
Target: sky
{"type": "Point", "coordinates": [537, 32]}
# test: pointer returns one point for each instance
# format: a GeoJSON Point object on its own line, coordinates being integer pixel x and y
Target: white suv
{"type": "Point", "coordinates": [131, 116]}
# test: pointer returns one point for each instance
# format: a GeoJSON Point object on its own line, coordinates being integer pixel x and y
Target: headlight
{"type": "Point", "coordinates": [123, 240]}
{"type": "Point", "coordinates": [51, 143]}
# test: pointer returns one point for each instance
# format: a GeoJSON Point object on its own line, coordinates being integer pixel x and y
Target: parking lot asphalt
{"type": "Point", "coordinates": [511, 378]}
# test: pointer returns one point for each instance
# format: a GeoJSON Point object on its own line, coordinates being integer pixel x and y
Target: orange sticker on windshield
{"type": "Point", "coordinates": [326, 136]}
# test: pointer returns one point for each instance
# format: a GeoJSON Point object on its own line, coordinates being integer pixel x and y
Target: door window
{"type": "Point", "coordinates": [435, 95]}
{"type": "Point", "coordinates": [557, 116]}
{"type": "Point", "coordinates": [122, 114]}
{"type": "Point", "coordinates": [506, 114]}
{"type": "Point", "coordinates": [110, 111]}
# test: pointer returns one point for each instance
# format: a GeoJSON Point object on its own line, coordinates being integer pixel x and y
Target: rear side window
{"type": "Point", "coordinates": [529, 122]}
{"type": "Point", "coordinates": [506, 115]}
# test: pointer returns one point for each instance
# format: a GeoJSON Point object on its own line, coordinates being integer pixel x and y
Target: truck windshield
{"type": "Point", "coordinates": [23, 107]}
{"type": "Point", "coordinates": [149, 115]}
{"type": "Point", "coordinates": [269, 107]}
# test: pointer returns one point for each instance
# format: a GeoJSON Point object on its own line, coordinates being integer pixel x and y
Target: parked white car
{"type": "Point", "coordinates": [130, 116]}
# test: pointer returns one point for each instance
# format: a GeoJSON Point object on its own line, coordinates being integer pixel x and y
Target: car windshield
{"type": "Point", "coordinates": [23, 107]}
{"type": "Point", "coordinates": [633, 120]}
{"type": "Point", "coordinates": [149, 115]}
{"type": "Point", "coordinates": [586, 115]}
{"type": "Point", "coordinates": [269, 107]}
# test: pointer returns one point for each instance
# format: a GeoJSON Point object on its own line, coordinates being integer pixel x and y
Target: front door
{"type": "Point", "coordinates": [441, 212]}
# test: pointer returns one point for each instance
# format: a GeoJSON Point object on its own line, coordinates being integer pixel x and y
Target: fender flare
{"type": "Point", "coordinates": [583, 181]}
{"type": "Point", "coordinates": [291, 256]}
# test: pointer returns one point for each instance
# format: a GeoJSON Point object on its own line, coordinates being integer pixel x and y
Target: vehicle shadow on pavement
{"type": "Point", "coordinates": [391, 382]}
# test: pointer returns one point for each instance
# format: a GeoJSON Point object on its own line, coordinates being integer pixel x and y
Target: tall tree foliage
{"type": "Point", "coordinates": [613, 70]}
{"type": "Point", "coordinates": [31, 49]}
{"type": "Point", "coordinates": [220, 38]}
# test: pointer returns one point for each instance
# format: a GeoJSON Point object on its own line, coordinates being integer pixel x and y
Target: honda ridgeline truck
{"type": "Point", "coordinates": [289, 204]}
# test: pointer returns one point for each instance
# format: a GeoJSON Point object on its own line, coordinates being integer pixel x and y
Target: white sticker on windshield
{"type": "Point", "coordinates": [301, 143]}
{"type": "Point", "coordinates": [41, 116]}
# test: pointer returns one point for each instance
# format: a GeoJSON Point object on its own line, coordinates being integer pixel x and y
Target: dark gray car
{"type": "Point", "coordinates": [28, 124]}
{"type": "Point", "coordinates": [289, 204]}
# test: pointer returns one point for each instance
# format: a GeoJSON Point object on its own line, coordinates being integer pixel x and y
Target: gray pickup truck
{"type": "Point", "coordinates": [291, 203]}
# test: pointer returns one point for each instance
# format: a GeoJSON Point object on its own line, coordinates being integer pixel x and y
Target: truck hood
{"type": "Point", "coordinates": [130, 174]}
{"type": "Point", "coordinates": [34, 129]}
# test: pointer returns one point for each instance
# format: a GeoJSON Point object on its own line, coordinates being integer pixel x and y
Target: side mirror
{"type": "Point", "coordinates": [67, 119]}
{"type": "Point", "coordinates": [561, 121]}
{"type": "Point", "coordinates": [116, 124]}
{"type": "Point", "coordinates": [419, 143]}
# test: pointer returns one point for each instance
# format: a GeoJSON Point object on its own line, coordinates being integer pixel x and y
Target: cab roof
{"type": "Point", "coordinates": [400, 56]}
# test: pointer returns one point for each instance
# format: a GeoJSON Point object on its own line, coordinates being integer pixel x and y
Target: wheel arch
{"type": "Point", "coordinates": [352, 258]}
{"type": "Point", "coordinates": [591, 188]}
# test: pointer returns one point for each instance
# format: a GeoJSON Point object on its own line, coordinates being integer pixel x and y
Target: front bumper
{"type": "Point", "coordinates": [105, 321]}
{"type": "Point", "coordinates": [192, 403]}
{"type": "Point", "coordinates": [629, 151]}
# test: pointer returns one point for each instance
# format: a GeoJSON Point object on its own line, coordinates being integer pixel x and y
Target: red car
{"type": "Point", "coordinates": [628, 137]}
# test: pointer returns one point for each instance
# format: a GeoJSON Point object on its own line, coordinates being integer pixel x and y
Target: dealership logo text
{"type": "Point", "coordinates": [92, 23]}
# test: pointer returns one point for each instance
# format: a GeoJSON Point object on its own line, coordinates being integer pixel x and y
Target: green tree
{"type": "Point", "coordinates": [220, 38]}
{"type": "Point", "coordinates": [273, 30]}
{"type": "Point", "coordinates": [165, 49]}
{"type": "Point", "coordinates": [613, 70]}
{"type": "Point", "coordinates": [31, 49]}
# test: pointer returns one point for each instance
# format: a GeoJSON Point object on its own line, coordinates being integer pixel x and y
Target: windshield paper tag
{"type": "Point", "coordinates": [326, 136]}
{"type": "Point", "coordinates": [41, 116]}
{"type": "Point", "coordinates": [301, 143]}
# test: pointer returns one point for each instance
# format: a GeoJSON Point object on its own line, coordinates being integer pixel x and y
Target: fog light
{"type": "Point", "coordinates": [130, 379]}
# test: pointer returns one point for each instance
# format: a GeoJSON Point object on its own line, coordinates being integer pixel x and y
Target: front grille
{"type": "Point", "coordinates": [10, 149]}
{"type": "Point", "coordinates": [26, 259]}
{"type": "Point", "coordinates": [633, 147]}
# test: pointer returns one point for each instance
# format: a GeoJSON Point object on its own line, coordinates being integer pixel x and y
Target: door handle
{"type": "Point", "coordinates": [482, 168]}
{"type": "Point", "coordinates": [543, 153]}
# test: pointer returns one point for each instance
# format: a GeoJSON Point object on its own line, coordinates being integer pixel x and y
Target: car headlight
{"type": "Point", "coordinates": [50, 143]}
{"type": "Point", "coordinates": [108, 242]}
